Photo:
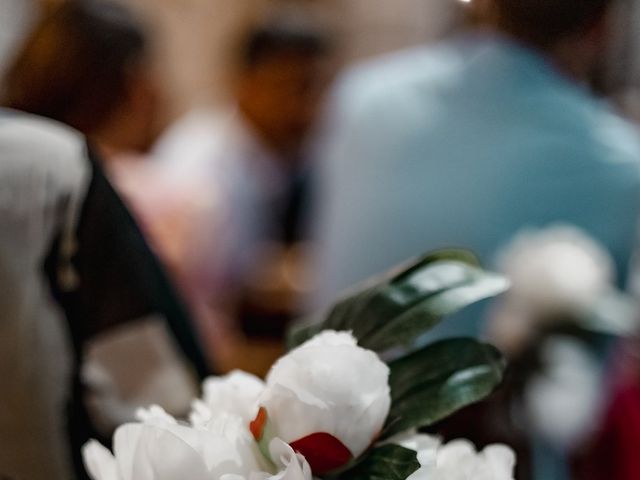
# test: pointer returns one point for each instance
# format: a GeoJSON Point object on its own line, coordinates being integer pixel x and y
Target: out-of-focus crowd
{"type": "Point", "coordinates": [180, 181]}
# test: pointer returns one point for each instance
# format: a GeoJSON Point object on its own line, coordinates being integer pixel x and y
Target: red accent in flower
{"type": "Point", "coordinates": [257, 426]}
{"type": "Point", "coordinates": [324, 452]}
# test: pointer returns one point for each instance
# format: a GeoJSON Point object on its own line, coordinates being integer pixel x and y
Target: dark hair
{"type": "Point", "coordinates": [545, 22]}
{"type": "Point", "coordinates": [285, 32]}
{"type": "Point", "coordinates": [74, 65]}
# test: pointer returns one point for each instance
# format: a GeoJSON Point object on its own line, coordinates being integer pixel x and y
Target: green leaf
{"type": "Point", "coordinates": [408, 325]}
{"type": "Point", "coordinates": [388, 462]}
{"type": "Point", "coordinates": [434, 382]}
{"type": "Point", "coordinates": [398, 307]}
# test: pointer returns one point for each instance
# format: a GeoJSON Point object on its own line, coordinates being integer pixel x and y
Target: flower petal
{"type": "Point", "coordinates": [304, 395]}
{"type": "Point", "coordinates": [293, 466]}
{"type": "Point", "coordinates": [99, 461]}
{"type": "Point", "coordinates": [171, 458]}
{"type": "Point", "coordinates": [236, 393]}
{"type": "Point", "coordinates": [125, 449]}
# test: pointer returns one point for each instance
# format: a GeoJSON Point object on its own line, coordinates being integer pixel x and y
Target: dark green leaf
{"type": "Point", "coordinates": [427, 313]}
{"type": "Point", "coordinates": [398, 307]}
{"type": "Point", "coordinates": [432, 383]}
{"type": "Point", "coordinates": [388, 462]}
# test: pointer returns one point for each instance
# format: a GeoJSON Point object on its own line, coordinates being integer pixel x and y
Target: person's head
{"type": "Point", "coordinates": [281, 76]}
{"type": "Point", "coordinates": [85, 64]}
{"type": "Point", "coordinates": [573, 32]}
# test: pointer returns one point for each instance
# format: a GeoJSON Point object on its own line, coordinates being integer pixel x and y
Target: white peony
{"type": "Point", "coordinates": [553, 271]}
{"type": "Point", "coordinates": [159, 448]}
{"type": "Point", "coordinates": [236, 393]}
{"type": "Point", "coordinates": [291, 465]}
{"type": "Point", "coordinates": [328, 399]}
{"type": "Point", "coordinates": [562, 402]}
{"type": "Point", "coordinates": [458, 460]}
{"type": "Point", "coordinates": [557, 268]}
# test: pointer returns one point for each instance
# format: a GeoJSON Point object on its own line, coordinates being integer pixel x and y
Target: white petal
{"type": "Point", "coordinates": [502, 460]}
{"type": "Point", "coordinates": [293, 466]}
{"type": "Point", "coordinates": [155, 415]}
{"type": "Point", "coordinates": [200, 414]}
{"type": "Point", "coordinates": [152, 452]}
{"type": "Point", "coordinates": [456, 451]}
{"type": "Point", "coordinates": [558, 267]}
{"type": "Point", "coordinates": [228, 447]}
{"type": "Point", "coordinates": [126, 450]}
{"type": "Point", "coordinates": [305, 395]}
{"type": "Point", "coordinates": [236, 393]}
{"type": "Point", "coordinates": [459, 460]}
{"type": "Point", "coordinates": [99, 461]}
{"type": "Point", "coordinates": [170, 457]}
{"type": "Point", "coordinates": [562, 401]}
{"type": "Point", "coordinates": [331, 338]}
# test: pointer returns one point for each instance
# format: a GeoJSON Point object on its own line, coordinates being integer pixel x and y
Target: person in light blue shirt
{"type": "Point", "coordinates": [467, 142]}
{"type": "Point", "coordinates": [464, 143]}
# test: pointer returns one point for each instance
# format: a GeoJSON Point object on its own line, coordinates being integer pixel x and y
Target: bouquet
{"type": "Point", "coordinates": [554, 325]}
{"type": "Point", "coordinates": [346, 402]}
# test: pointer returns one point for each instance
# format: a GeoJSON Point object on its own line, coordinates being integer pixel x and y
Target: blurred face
{"type": "Point", "coordinates": [281, 96]}
{"type": "Point", "coordinates": [136, 122]}
{"type": "Point", "coordinates": [146, 109]}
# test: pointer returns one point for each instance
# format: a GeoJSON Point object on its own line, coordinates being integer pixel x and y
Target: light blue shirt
{"type": "Point", "coordinates": [463, 144]}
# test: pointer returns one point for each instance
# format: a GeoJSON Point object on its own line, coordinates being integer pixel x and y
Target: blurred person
{"type": "Point", "coordinates": [610, 452]}
{"type": "Point", "coordinates": [35, 364]}
{"type": "Point", "coordinates": [104, 87]}
{"type": "Point", "coordinates": [466, 142]}
{"type": "Point", "coordinates": [560, 315]}
{"type": "Point", "coordinates": [86, 63]}
{"type": "Point", "coordinates": [73, 268]}
{"type": "Point", "coordinates": [251, 154]}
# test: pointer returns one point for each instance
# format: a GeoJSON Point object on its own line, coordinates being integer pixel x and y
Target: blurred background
{"type": "Point", "coordinates": [243, 138]}
{"type": "Point", "coordinates": [194, 52]}
{"type": "Point", "coordinates": [193, 40]}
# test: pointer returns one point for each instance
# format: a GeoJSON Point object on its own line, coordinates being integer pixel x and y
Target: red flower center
{"type": "Point", "coordinates": [323, 451]}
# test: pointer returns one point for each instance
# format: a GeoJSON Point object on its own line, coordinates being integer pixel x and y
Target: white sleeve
{"type": "Point", "coordinates": [43, 168]}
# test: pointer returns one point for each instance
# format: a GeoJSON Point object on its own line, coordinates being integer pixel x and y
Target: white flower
{"type": "Point", "coordinates": [155, 415]}
{"type": "Point", "coordinates": [557, 268]}
{"type": "Point", "coordinates": [236, 393]}
{"type": "Point", "coordinates": [562, 402]}
{"type": "Point", "coordinates": [554, 271]}
{"type": "Point", "coordinates": [458, 460]}
{"type": "Point", "coordinates": [162, 449]}
{"type": "Point", "coordinates": [328, 399]}
{"type": "Point", "coordinates": [291, 465]}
